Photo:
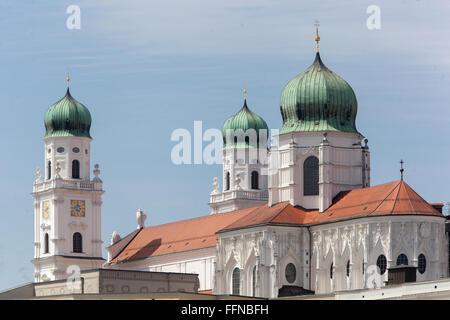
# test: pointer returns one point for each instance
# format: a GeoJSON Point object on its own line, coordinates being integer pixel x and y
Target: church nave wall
{"type": "Point", "coordinates": [348, 255]}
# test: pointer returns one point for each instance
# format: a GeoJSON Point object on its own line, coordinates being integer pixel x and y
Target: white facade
{"type": "Point", "coordinates": [356, 244]}
{"type": "Point", "coordinates": [67, 209]}
{"type": "Point", "coordinates": [200, 262]}
{"type": "Point", "coordinates": [362, 241]}
{"type": "Point", "coordinates": [267, 250]}
{"type": "Point", "coordinates": [239, 164]}
{"type": "Point", "coordinates": [344, 164]}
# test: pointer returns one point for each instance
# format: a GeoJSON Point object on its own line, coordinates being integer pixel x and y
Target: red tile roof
{"type": "Point", "coordinates": [178, 236]}
{"type": "Point", "coordinates": [394, 198]}
{"type": "Point", "coordinates": [280, 213]}
{"type": "Point", "coordinates": [206, 291]}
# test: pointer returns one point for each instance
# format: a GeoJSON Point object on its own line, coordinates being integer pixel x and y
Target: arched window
{"type": "Point", "coordinates": [77, 242]}
{"type": "Point", "coordinates": [236, 281]}
{"type": "Point", "coordinates": [402, 259]}
{"type": "Point", "coordinates": [422, 263]}
{"type": "Point", "coordinates": [348, 268]}
{"type": "Point", "coordinates": [331, 271]}
{"type": "Point", "coordinates": [227, 181]}
{"type": "Point", "coordinates": [49, 170]}
{"type": "Point", "coordinates": [311, 176]}
{"type": "Point", "coordinates": [255, 178]}
{"type": "Point", "coordinates": [46, 243]}
{"type": "Point", "coordinates": [254, 281]}
{"type": "Point", "coordinates": [382, 263]}
{"type": "Point", "coordinates": [76, 169]}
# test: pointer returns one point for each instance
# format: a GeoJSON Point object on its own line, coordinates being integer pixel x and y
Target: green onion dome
{"type": "Point", "coordinates": [67, 118]}
{"type": "Point", "coordinates": [238, 125]}
{"type": "Point", "coordinates": [318, 100]}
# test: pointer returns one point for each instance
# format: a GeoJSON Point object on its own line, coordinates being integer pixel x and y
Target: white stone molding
{"type": "Point", "coordinates": [77, 225]}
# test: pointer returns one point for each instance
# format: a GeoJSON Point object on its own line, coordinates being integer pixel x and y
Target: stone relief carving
{"type": "Point", "coordinates": [215, 186]}
{"type": "Point", "coordinates": [38, 175]}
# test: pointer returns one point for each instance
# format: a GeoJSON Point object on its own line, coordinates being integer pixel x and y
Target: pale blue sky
{"type": "Point", "coordinates": [145, 68]}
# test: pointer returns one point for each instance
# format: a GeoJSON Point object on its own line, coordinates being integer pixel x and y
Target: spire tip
{"type": "Point", "coordinates": [67, 78]}
{"type": "Point", "coordinates": [317, 38]}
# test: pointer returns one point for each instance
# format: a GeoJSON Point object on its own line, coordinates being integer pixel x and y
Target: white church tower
{"type": "Point", "coordinates": [67, 203]}
{"type": "Point", "coordinates": [319, 150]}
{"type": "Point", "coordinates": [245, 157]}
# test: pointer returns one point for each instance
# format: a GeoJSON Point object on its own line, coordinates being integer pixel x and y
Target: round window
{"type": "Point", "coordinates": [76, 150]}
{"type": "Point", "coordinates": [60, 149]}
{"type": "Point", "coordinates": [291, 273]}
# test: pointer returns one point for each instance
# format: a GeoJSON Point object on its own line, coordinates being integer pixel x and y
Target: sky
{"type": "Point", "coordinates": [147, 68]}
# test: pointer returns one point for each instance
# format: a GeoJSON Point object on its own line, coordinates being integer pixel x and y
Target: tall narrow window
{"type": "Point", "coordinates": [348, 268]}
{"type": "Point", "coordinates": [76, 169]}
{"type": "Point", "coordinates": [236, 281]}
{"type": "Point", "coordinates": [331, 271]}
{"type": "Point", "coordinates": [49, 170]}
{"type": "Point", "coordinates": [46, 243]}
{"type": "Point", "coordinates": [402, 259]}
{"type": "Point", "coordinates": [227, 181]}
{"type": "Point", "coordinates": [254, 281]}
{"type": "Point", "coordinates": [422, 264]}
{"type": "Point", "coordinates": [255, 178]}
{"type": "Point", "coordinates": [382, 263]}
{"type": "Point", "coordinates": [77, 242]}
{"type": "Point", "coordinates": [311, 176]}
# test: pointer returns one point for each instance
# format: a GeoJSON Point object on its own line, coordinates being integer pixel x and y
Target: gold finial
{"type": "Point", "coordinates": [68, 78]}
{"type": "Point", "coordinates": [317, 24]}
{"type": "Point", "coordinates": [245, 90]}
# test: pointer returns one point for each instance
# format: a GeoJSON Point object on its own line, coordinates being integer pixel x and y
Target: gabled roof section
{"type": "Point", "coordinates": [279, 214]}
{"type": "Point", "coordinates": [116, 248]}
{"type": "Point", "coordinates": [393, 198]}
{"type": "Point", "coordinates": [178, 236]}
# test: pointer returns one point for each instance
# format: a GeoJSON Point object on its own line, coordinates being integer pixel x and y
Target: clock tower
{"type": "Point", "coordinates": [67, 203]}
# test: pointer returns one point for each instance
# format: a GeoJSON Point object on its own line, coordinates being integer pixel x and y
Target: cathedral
{"type": "Point", "coordinates": [295, 215]}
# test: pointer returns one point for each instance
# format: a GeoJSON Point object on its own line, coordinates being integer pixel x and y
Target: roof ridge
{"type": "Point", "coordinates": [382, 201]}
{"type": "Point", "coordinates": [283, 205]}
{"type": "Point", "coordinates": [204, 217]}
{"type": "Point", "coordinates": [404, 184]}
{"type": "Point", "coordinates": [418, 195]}
{"type": "Point", "coordinates": [126, 246]}
{"type": "Point", "coordinates": [188, 239]}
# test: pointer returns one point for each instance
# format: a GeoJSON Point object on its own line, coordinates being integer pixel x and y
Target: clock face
{"type": "Point", "coordinates": [77, 208]}
{"type": "Point", "coordinates": [45, 209]}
